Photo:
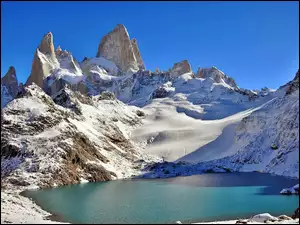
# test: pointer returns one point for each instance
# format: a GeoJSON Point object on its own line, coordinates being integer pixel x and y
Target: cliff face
{"type": "Point", "coordinates": [180, 68]}
{"type": "Point", "coordinates": [44, 61]}
{"type": "Point", "coordinates": [9, 86]}
{"type": "Point", "coordinates": [137, 54]}
{"type": "Point", "coordinates": [117, 47]}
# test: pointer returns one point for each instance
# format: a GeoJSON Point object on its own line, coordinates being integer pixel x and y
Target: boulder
{"type": "Point", "coordinates": [262, 218]}
{"type": "Point", "coordinates": [284, 217]}
{"type": "Point", "coordinates": [240, 221]}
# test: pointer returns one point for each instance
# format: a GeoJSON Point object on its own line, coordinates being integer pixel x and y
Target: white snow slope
{"type": "Point", "coordinates": [241, 141]}
{"type": "Point", "coordinates": [47, 142]}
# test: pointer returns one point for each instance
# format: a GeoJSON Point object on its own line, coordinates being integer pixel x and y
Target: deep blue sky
{"type": "Point", "coordinates": [256, 43]}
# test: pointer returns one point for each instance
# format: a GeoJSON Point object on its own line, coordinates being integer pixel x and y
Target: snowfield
{"type": "Point", "coordinates": [90, 121]}
{"type": "Point", "coordinates": [184, 125]}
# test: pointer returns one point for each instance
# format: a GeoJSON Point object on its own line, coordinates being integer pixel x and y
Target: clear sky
{"type": "Point", "coordinates": [256, 43]}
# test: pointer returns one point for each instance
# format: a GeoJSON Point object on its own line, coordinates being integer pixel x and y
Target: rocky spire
{"type": "Point", "coordinates": [44, 61]}
{"type": "Point", "coordinates": [180, 68]}
{"type": "Point", "coordinates": [46, 47]}
{"type": "Point", "coordinates": [9, 86]}
{"type": "Point", "coordinates": [10, 77]}
{"type": "Point", "coordinates": [58, 50]}
{"type": "Point", "coordinates": [137, 54]}
{"type": "Point", "coordinates": [116, 46]}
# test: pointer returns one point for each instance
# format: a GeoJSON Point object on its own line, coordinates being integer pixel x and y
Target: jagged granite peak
{"type": "Point", "coordinates": [217, 75]}
{"type": "Point", "coordinates": [10, 77]}
{"type": "Point", "coordinates": [44, 61]}
{"type": "Point", "coordinates": [9, 86]}
{"type": "Point", "coordinates": [58, 50]}
{"type": "Point", "coordinates": [37, 74]}
{"type": "Point", "coordinates": [116, 46]}
{"type": "Point", "coordinates": [181, 68]}
{"type": "Point", "coordinates": [137, 54]}
{"type": "Point", "coordinates": [67, 61]}
{"type": "Point", "coordinates": [47, 47]}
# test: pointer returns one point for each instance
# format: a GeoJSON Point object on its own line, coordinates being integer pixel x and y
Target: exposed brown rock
{"type": "Point", "coordinates": [10, 81]}
{"type": "Point", "coordinates": [293, 85]}
{"type": "Point", "coordinates": [180, 68]}
{"type": "Point", "coordinates": [46, 47]}
{"type": "Point", "coordinates": [116, 46]}
{"type": "Point", "coordinates": [44, 61]}
{"type": "Point", "coordinates": [137, 54]}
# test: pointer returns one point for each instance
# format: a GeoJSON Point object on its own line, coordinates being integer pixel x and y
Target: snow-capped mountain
{"type": "Point", "coordinates": [118, 67]}
{"type": "Point", "coordinates": [263, 138]}
{"type": "Point", "coordinates": [65, 125]}
{"type": "Point", "coordinates": [67, 138]}
{"type": "Point", "coordinates": [9, 86]}
{"type": "Point", "coordinates": [268, 139]}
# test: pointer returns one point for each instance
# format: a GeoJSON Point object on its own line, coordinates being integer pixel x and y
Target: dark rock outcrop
{"type": "Point", "coordinates": [9, 86]}
{"type": "Point", "coordinates": [137, 54]}
{"type": "Point", "coordinates": [180, 68]}
{"type": "Point", "coordinates": [293, 85]}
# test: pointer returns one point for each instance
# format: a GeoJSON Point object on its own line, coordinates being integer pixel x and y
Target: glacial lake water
{"type": "Point", "coordinates": [206, 197]}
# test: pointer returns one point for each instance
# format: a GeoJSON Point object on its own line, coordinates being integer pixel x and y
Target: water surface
{"type": "Point", "coordinates": [204, 197]}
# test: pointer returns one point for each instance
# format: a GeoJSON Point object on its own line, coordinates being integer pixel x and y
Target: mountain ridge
{"type": "Point", "coordinates": [111, 60]}
{"type": "Point", "coordinates": [125, 117]}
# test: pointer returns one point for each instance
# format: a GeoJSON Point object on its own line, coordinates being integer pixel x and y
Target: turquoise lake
{"type": "Point", "coordinates": [206, 197]}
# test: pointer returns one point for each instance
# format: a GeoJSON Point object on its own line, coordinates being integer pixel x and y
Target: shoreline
{"type": "Point", "coordinates": [13, 201]}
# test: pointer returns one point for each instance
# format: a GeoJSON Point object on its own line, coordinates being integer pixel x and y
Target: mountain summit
{"type": "Point", "coordinates": [44, 61]}
{"type": "Point", "coordinates": [119, 68]}
{"type": "Point", "coordinates": [9, 86]}
{"type": "Point", "coordinates": [117, 47]}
